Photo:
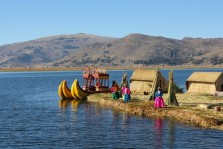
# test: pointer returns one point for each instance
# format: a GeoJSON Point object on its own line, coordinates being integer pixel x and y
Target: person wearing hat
{"type": "Point", "coordinates": [159, 102]}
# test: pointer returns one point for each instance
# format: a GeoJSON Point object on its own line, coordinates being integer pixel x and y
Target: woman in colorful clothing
{"type": "Point", "coordinates": [159, 103]}
{"type": "Point", "coordinates": [114, 89]}
{"type": "Point", "coordinates": [126, 93]}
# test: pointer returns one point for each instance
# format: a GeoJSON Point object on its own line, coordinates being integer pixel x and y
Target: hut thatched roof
{"type": "Point", "coordinates": [208, 77]}
{"type": "Point", "coordinates": [143, 75]}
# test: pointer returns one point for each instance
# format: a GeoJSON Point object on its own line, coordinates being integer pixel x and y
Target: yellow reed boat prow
{"type": "Point", "coordinates": [60, 90]}
{"type": "Point", "coordinates": [76, 91]}
{"type": "Point", "coordinates": [66, 91]}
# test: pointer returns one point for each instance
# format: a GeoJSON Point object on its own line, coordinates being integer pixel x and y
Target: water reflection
{"type": "Point", "coordinates": [125, 119]}
{"type": "Point", "coordinates": [64, 103]}
{"type": "Point", "coordinates": [171, 134]}
{"type": "Point", "coordinates": [75, 104]}
{"type": "Point", "coordinates": [158, 133]}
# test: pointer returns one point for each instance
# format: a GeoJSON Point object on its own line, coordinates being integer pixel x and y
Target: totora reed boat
{"type": "Point", "coordinates": [94, 81]}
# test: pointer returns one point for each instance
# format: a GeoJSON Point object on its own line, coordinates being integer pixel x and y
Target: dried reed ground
{"type": "Point", "coordinates": [187, 112]}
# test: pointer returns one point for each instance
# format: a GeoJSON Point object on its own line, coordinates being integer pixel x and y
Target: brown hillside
{"type": "Point", "coordinates": [131, 50]}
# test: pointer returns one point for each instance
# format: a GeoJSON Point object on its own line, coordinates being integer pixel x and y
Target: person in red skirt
{"type": "Point", "coordinates": [159, 102]}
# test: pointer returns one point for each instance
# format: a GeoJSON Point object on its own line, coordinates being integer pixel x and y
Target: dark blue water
{"type": "Point", "coordinates": [32, 116]}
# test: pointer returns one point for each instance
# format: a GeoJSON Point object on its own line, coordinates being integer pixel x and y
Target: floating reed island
{"type": "Point", "coordinates": [197, 110]}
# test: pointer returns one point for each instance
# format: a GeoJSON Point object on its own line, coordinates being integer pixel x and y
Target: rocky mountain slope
{"type": "Point", "coordinates": [133, 50]}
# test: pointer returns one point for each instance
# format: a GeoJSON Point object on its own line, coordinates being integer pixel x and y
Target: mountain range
{"type": "Point", "coordinates": [136, 50]}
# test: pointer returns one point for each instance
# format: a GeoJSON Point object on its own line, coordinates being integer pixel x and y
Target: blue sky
{"type": "Point", "coordinates": [23, 20]}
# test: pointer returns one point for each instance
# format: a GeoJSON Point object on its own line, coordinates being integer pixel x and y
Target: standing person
{"type": "Point", "coordinates": [115, 91]}
{"type": "Point", "coordinates": [159, 103]}
{"type": "Point", "coordinates": [126, 93]}
{"type": "Point", "coordinates": [122, 91]}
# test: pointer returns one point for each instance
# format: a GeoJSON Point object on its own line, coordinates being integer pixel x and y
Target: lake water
{"type": "Point", "coordinates": [31, 117]}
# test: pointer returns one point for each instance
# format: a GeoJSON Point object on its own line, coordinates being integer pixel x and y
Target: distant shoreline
{"type": "Point", "coordinates": [107, 68]}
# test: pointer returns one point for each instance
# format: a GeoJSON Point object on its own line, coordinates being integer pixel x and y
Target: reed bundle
{"type": "Point", "coordinates": [171, 97]}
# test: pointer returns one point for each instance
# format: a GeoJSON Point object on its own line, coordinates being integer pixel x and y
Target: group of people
{"type": "Point", "coordinates": [117, 93]}
{"type": "Point", "coordinates": [125, 92]}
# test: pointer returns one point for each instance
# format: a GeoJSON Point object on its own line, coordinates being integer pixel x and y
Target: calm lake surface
{"type": "Point", "coordinates": [31, 117]}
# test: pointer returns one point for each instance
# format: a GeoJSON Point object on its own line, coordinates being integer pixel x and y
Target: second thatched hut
{"type": "Point", "coordinates": [205, 82]}
{"type": "Point", "coordinates": [141, 81]}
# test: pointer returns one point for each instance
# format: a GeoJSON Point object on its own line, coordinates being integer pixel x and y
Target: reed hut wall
{"type": "Point", "coordinates": [141, 81]}
{"type": "Point", "coordinates": [205, 82]}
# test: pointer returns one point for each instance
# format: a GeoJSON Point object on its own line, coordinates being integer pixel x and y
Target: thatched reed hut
{"type": "Point", "coordinates": [141, 81]}
{"type": "Point", "coordinates": [205, 82]}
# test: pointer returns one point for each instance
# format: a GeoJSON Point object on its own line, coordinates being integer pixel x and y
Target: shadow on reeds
{"type": "Point", "coordinates": [217, 104]}
{"type": "Point", "coordinates": [133, 100]}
